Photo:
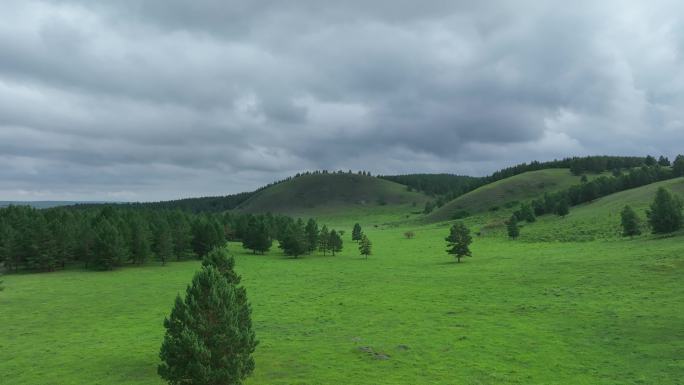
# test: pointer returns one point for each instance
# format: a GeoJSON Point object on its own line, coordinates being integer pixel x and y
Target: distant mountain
{"type": "Point", "coordinates": [47, 204]}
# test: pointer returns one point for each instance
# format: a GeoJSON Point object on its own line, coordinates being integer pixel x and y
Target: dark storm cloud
{"type": "Point", "coordinates": [160, 99]}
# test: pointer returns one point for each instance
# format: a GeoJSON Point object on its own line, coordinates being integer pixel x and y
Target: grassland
{"type": "Point", "coordinates": [600, 312]}
{"type": "Point", "coordinates": [331, 195]}
{"type": "Point", "coordinates": [507, 192]}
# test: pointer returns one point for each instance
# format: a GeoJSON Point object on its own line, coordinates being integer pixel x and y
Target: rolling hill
{"type": "Point", "coordinates": [319, 194]}
{"type": "Point", "coordinates": [599, 219]}
{"type": "Point", "coordinates": [505, 192]}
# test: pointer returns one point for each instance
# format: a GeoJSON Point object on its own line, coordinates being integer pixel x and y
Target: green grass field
{"type": "Point", "coordinates": [601, 312]}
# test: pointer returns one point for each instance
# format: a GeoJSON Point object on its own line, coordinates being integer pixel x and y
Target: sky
{"type": "Point", "coordinates": [139, 100]}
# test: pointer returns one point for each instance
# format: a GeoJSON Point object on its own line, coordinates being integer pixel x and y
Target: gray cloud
{"type": "Point", "coordinates": [143, 100]}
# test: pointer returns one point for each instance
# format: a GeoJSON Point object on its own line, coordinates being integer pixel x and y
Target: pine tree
{"type": "Point", "coordinates": [324, 240]}
{"type": "Point", "coordinates": [42, 247]}
{"type": "Point", "coordinates": [294, 242]}
{"type": "Point", "coordinates": [562, 209]}
{"type": "Point", "coordinates": [663, 161]}
{"type": "Point", "coordinates": [139, 245]}
{"type": "Point", "coordinates": [109, 248]}
{"type": "Point", "coordinates": [678, 166]}
{"type": "Point", "coordinates": [526, 213]}
{"type": "Point", "coordinates": [630, 222]}
{"type": "Point", "coordinates": [458, 241]}
{"type": "Point", "coordinates": [335, 242]}
{"type": "Point", "coordinates": [356, 232]}
{"type": "Point", "coordinates": [163, 244]}
{"type": "Point", "coordinates": [365, 246]}
{"type": "Point", "coordinates": [665, 214]}
{"type": "Point", "coordinates": [311, 231]}
{"type": "Point", "coordinates": [512, 227]}
{"type": "Point", "coordinates": [261, 239]}
{"type": "Point", "coordinates": [208, 339]}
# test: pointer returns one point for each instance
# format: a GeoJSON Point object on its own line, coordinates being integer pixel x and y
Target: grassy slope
{"type": "Point", "coordinates": [599, 219]}
{"type": "Point", "coordinates": [603, 312]}
{"type": "Point", "coordinates": [516, 188]}
{"type": "Point", "coordinates": [329, 195]}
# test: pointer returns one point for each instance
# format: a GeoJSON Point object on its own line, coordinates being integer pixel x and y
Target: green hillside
{"type": "Point", "coordinates": [328, 194]}
{"type": "Point", "coordinates": [506, 192]}
{"type": "Point", "coordinates": [599, 219]}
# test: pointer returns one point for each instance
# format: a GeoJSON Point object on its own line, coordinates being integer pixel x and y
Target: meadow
{"type": "Point", "coordinates": [517, 312]}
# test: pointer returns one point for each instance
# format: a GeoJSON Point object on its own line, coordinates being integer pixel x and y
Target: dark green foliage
{"type": "Point", "coordinates": [429, 207]}
{"type": "Point", "coordinates": [458, 241]}
{"type": "Point", "coordinates": [525, 213]}
{"type": "Point", "coordinates": [324, 240]}
{"type": "Point", "coordinates": [663, 161]}
{"type": "Point", "coordinates": [460, 214]}
{"type": "Point", "coordinates": [665, 214]}
{"type": "Point", "coordinates": [650, 161]}
{"type": "Point", "coordinates": [139, 246]}
{"type": "Point", "coordinates": [109, 249]}
{"type": "Point", "coordinates": [563, 209]}
{"type": "Point", "coordinates": [209, 338]}
{"type": "Point", "coordinates": [512, 227]}
{"type": "Point", "coordinates": [357, 232]}
{"type": "Point", "coordinates": [335, 242]}
{"type": "Point", "coordinates": [365, 246]}
{"type": "Point", "coordinates": [256, 237]}
{"type": "Point", "coordinates": [600, 187]}
{"type": "Point", "coordinates": [311, 231]}
{"type": "Point", "coordinates": [294, 242]}
{"type": "Point", "coordinates": [163, 244]}
{"type": "Point", "coordinates": [207, 234]}
{"type": "Point", "coordinates": [678, 166]}
{"type": "Point", "coordinates": [630, 222]}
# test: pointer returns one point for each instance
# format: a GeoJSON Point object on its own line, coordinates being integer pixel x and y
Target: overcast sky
{"type": "Point", "coordinates": [160, 99]}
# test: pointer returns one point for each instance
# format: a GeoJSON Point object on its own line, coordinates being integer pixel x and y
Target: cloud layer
{"type": "Point", "coordinates": [160, 99]}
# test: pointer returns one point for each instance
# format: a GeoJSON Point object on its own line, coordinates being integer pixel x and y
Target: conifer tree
{"type": "Point", "coordinates": [311, 231]}
{"type": "Point", "coordinates": [109, 248]}
{"type": "Point", "coordinates": [294, 242]}
{"type": "Point", "coordinates": [163, 244]}
{"type": "Point", "coordinates": [678, 166]}
{"type": "Point", "coordinates": [356, 232]}
{"type": "Point", "coordinates": [630, 222]}
{"type": "Point", "coordinates": [208, 339]}
{"type": "Point", "coordinates": [665, 214]}
{"type": "Point", "coordinates": [140, 249]}
{"type": "Point", "coordinates": [365, 246]}
{"type": "Point", "coordinates": [663, 161]}
{"type": "Point", "coordinates": [335, 242]}
{"type": "Point", "coordinates": [458, 241]}
{"type": "Point", "coordinates": [512, 227]}
{"type": "Point", "coordinates": [324, 240]}
{"type": "Point", "coordinates": [562, 209]}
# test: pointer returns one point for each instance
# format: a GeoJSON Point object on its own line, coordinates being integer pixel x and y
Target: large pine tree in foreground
{"type": "Point", "coordinates": [209, 338]}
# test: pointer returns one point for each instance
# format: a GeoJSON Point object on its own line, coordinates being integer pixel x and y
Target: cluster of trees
{"type": "Point", "coordinates": [560, 202]}
{"type": "Point", "coordinates": [209, 337]}
{"type": "Point", "coordinates": [102, 238]}
{"type": "Point", "coordinates": [305, 238]}
{"type": "Point", "coordinates": [664, 215]}
{"type": "Point", "coordinates": [448, 186]}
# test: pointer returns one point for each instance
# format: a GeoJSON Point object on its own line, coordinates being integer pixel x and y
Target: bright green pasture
{"type": "Point", "coordinates": [515, 313]}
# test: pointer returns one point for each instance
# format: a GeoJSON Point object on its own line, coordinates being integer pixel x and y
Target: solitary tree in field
{"type": "Point", "coordinates": [458, 241]}
{"type": "Point", "coordinates": [512, 227]}
{"type": "Point", "coordinates": [630, 222]}
{"type": "Point", "coordinates": [209, 338]}
{"type": "Point", "coordinates": [409, 234]}
{"type": "Point", "coordinates": [665, 215]}
{"type": "Point", "coordinates": [356, 232]}
{"type": "Point", "coordinates": [324, 240]}
{"type": "Point", "coordinates": [365, 246]}
{"type": "Point", "coordinates": [335, 242]}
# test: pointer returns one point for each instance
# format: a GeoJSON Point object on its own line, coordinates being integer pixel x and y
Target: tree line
{"type": "Point", "coordinates": [103, 238]}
